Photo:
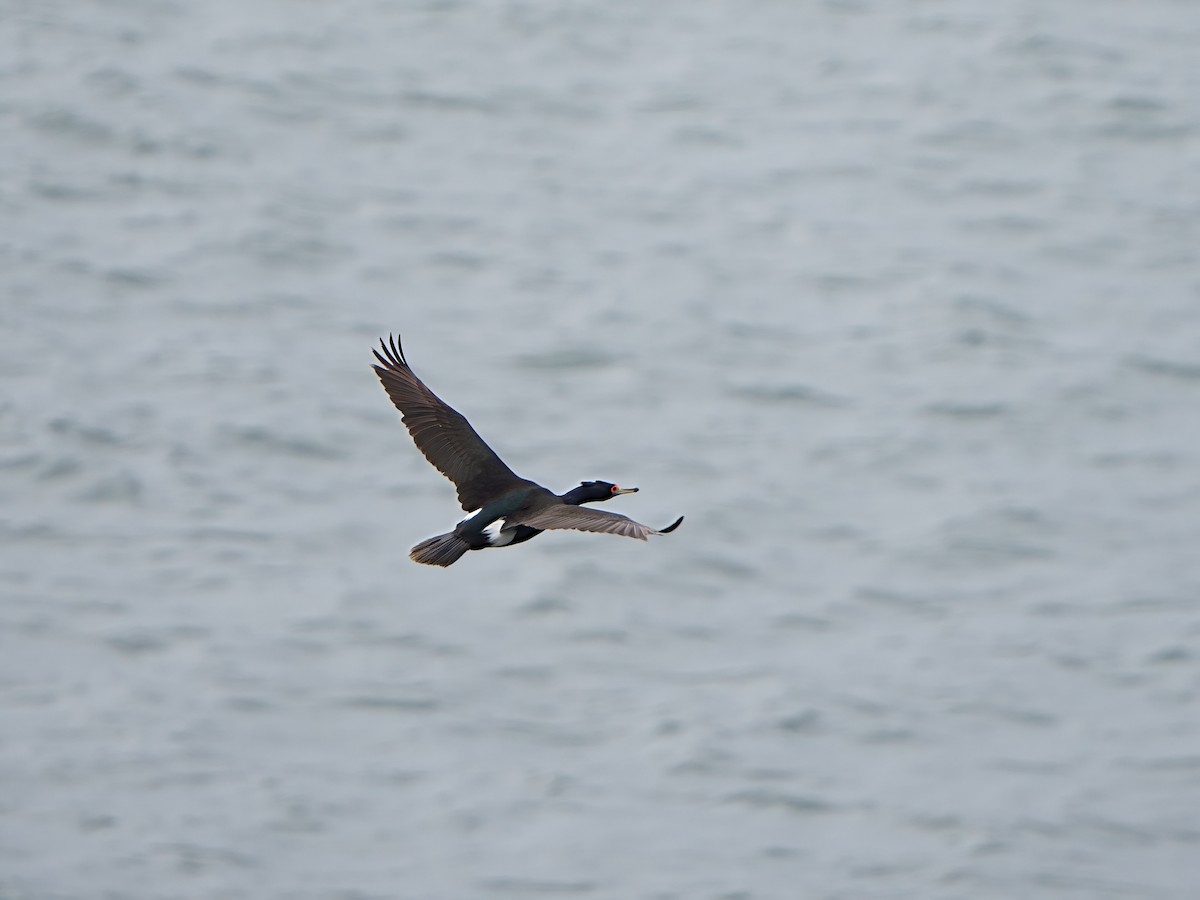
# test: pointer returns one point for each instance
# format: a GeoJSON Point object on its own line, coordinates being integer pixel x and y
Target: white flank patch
{"type": "Point", "coordinates": [497, 536]}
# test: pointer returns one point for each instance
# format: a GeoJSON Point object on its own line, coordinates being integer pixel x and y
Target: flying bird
{"type": "Point", "coordinates": [502, 507]}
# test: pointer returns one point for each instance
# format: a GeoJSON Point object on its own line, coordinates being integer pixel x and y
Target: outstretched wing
{"type": "Point", "coordinates": [581, 518]}
{"type": "Point", "coordinates": [443, 434]}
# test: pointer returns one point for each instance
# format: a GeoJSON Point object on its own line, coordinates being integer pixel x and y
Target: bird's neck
{"type": "Point", "coordinates": [575, 497]}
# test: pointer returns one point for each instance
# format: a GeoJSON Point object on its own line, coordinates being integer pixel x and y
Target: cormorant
{"type": "Point", "coordinates": [502, 507]}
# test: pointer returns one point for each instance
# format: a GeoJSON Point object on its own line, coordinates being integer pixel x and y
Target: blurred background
{"type": "Point", "coordinates": [897, 302]}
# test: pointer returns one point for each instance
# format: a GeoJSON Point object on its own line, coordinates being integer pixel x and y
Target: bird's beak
{"type": "Point", "coordinates": [619, 491]}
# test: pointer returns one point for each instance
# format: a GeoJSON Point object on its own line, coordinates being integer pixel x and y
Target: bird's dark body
{"type": "Point", "coordinates": [504, 508]}
{"type": "Point", "coordinates": [472, 528]}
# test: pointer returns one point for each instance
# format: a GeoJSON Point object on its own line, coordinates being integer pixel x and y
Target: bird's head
{"type": "Point", "coordinates": [595, 492]}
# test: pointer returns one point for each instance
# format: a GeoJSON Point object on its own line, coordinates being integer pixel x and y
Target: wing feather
{"type": "Point", "coordinates": [582, 518]}
{"type": "Point", "coordinates": [443, 434]}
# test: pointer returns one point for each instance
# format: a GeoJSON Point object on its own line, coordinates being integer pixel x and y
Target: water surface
{"type": "Point", "coordinates": [897, 302]}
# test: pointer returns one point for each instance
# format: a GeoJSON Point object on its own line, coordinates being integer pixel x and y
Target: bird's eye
{"type": "Point", "coordinates": [614, 488]}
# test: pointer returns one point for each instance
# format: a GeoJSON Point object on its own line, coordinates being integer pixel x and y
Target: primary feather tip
{"type": "Point", "coordinates": [671, 527]}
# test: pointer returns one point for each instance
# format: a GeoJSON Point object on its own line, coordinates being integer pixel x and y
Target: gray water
{"type": "Point", "coordinates": [898, 302]}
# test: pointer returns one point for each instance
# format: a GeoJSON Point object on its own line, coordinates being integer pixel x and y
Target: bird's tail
{"type": "Point", "coordinates": [442, 550]}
